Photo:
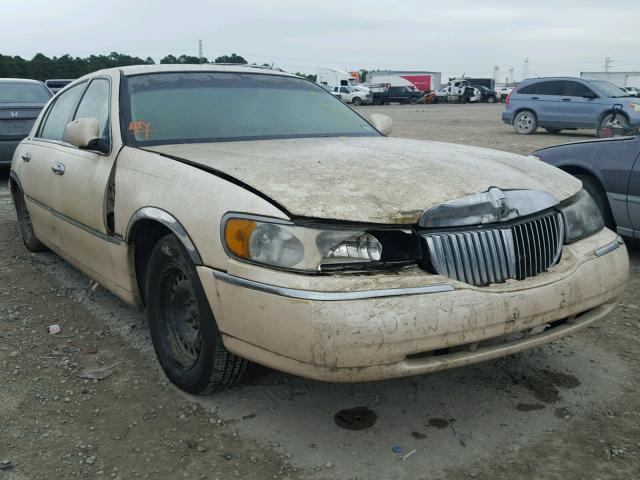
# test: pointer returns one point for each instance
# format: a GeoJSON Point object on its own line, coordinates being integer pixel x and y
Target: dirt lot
{"type": "Point", "coordinates": [570, 410]}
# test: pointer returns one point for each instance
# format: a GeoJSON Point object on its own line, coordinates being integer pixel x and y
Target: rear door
{"type": "Point", "coordinates": [545, 98]}
{"type": "Point", "coordinates": [578, 111]}
{"type": "Point", "coordinates": [36, 158]}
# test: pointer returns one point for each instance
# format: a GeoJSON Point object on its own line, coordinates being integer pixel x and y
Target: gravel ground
{"type": "Point", "coordinates": [570, 410]}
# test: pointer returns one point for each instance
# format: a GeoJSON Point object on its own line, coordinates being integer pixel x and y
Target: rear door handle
{"type": "Point", "coordinates": [57, 168]}
{"type": "Point", "coordinates": [566, 99]}
{"type": "Point", "coordinates": [535, 98]}
{"type": "Point", "coordinates": [26, 156]}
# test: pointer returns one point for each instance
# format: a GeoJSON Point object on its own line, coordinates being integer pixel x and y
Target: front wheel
{"type": "Point", "coordinates": [610, 121]}
{"type": "Point", "coordinates": [357, 101]}
{"type": "Point", "coordinates": [525, 123]}
{"type": "Point", "coordinates": [29, 238]}
{"type": "Point", "coordinates": [183, 329]}
{"type": "Point", "coordinates": [413, 100]}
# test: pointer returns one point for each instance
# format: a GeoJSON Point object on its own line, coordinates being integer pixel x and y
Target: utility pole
{"type": "Point", "coordinates": [525, 69]}
{"type": "Point", "coordinates": [200, 56]}
{"type": "Point", "coordinates": [496, 74]}
{"type": "Point", "coordinates": [607, 63]}
{"type": "Point", "coordinates": [510, 77]}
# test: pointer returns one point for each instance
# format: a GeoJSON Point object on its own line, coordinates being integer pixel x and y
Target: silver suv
{"type": "Point", "coordinates": [567, 103]}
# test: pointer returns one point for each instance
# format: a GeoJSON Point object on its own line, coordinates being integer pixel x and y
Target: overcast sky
{"type": "Point", "coordinates": [453, 37]}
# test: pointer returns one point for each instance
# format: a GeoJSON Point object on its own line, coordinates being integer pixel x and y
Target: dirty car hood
{"type": "Point", "coordinates": [371, 179]}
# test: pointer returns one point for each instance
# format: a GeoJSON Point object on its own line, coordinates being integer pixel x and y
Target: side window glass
{"type": "Point", "coordinates": [95, 103]}
{"type": "Point", "coordinates": [552, 87]}
{"type": "Point", "coordinates": [576, 89]}
{"type": "Point", "coordinates": [529, 89]}
{"type": "Point", "coordinates": [60, 113]}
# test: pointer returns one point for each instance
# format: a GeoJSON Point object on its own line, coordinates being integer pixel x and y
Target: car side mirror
{"type": "Point", "coordinates": [383, 123]}
{"type": "Point", "coordinates": [589, 95]}
{"type": "Point", "coordinates": [82, 133]}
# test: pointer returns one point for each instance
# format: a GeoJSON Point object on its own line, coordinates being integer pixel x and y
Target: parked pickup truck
{"type": "Point", "coordinates": [349, 94]}
{"type": "Point", "coordinates": [383, 95]}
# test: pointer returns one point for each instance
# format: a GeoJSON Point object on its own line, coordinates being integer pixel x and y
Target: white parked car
{"type": "Point", "coordinates": [503, 93]}
{"type": "Point", "coordinates": [635, 91]}
{"type": "Point", "coordinates": [352, 95]}
{"type": "Point", "coordinates": [256, 218]}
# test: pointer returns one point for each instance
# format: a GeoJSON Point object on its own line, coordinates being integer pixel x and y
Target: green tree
{"type": "Point", "coordinates": [233, 58]}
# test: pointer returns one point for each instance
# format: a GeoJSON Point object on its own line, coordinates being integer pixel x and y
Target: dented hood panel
{"type": "Point", "coordinates": [371, 179]}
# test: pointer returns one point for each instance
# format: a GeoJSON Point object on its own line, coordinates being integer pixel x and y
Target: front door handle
{"type": "Point", "coordinates": [566, 99]}
{"type": "Point", "coordinates": [26, 156]}
{"type": "Point", "coordinates": [535, 98]}
{"type": "Point", "coordinates": [58, 168]}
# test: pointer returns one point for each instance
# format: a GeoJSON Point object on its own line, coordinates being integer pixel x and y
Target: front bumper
{"type": "Point", "coordinates": [349, 333]}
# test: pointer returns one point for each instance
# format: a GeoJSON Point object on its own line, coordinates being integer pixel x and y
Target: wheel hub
{"type": "Point", "coordinates": [182, 320]}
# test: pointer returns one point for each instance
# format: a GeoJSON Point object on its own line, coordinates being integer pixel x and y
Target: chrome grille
{"type": "Point", "coordinates": [493, 255]}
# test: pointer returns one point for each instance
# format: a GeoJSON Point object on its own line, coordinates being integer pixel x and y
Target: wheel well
{"type": "Point", "coordinates": [144, 238]}
{"type": "Point", "coordinates": [581, 171]}
{"type": "Point", "coordinates": [609, 112]}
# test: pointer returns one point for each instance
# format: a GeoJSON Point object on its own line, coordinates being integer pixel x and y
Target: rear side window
{"type": "Point", "coordinates": [61, 113]}
{"type": "Point", "coordinates": [576, 89]}
{"type": "Point", "coordinates": [552, 87]}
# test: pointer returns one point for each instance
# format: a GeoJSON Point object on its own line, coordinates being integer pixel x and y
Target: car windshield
{"type": "Point", "coordinates": [23, 93]}
{"type": "Point", "coordinates": [167, 108]}
{"type": "Point", "coordinates": [609, 89]}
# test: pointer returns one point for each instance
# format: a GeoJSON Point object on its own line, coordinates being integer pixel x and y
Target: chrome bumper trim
{"type": "Point", "coordinates": [329, 296]}
{"type": "Point", "coordinates": [609, 247]}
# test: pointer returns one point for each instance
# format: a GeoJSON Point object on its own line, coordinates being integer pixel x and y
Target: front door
{"type": "Point", "coordinates": [80, 184]}
{"type": "Point", "coordinates": [633, 193]}
{"type": "Point", "coordinates": [578, 110]}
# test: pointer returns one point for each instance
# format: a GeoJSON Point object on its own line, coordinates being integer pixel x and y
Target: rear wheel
{"type": "Point", "coordinates": [184, 332]}
{"type": "Point", "coordinates": [357, 101]}
{"type": "Point", "coordinates": [413, 100]}
{"type": "Point", "coordinates": [491, 99]}
{"type": "Point", "coordinates": [592, 186]}
{"type": "Point", "coordinates": [377, 101]}
{"type": "Point", "coordinates": [26, 226]}
{"type": "Point", "coordinates": [525, 122]}
{"type": "Point", "coordinates": [553, 130]}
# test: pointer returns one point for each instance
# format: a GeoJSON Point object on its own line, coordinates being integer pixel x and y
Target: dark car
{"type": "Point", "coordinates": [396, 95]}
{"type": "Point", "coordinates": [57, 84]}
{"type": "Point", "coordinates": [486, 94]}
{"type": "Point", "coordinates": [20, 103]}
{"type": "Point", "coordinates": [610, 171]}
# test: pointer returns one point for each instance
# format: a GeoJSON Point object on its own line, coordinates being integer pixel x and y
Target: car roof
{"type": "Point", "coordinates": [20, 80]}
{"type": "Point", "coordinates": [205, 67]}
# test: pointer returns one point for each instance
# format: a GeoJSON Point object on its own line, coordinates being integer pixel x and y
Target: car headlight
{"type": "Point", "coordinates": [582, 217]}
{"type": "Point", "coordinates": [634, 106]}
{"type": "Point", "coordinates": [282, 244]}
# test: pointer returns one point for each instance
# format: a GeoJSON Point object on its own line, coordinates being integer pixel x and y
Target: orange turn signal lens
{"type": "Point", "coordinates": [237, 234]}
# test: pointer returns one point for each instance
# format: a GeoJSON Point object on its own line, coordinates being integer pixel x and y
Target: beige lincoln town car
{"type": "Point", "coordinates": [257, 218]}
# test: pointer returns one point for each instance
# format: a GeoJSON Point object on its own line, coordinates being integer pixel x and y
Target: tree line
{"type": "Point", "coordinates": [41, 67]}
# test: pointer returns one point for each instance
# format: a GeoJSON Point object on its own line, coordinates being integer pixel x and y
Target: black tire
{"type": "Point", "coordinates": [553, 130]}
{"type": "Point", "coordinates": [620, 121]}
{"type": "Point", "coordinates": [525, 122]}
{"type": "Point", "coordinates": [413, 100]}
{"type": "Point", "coordinates": [29, 238]}
{"type": "Point", "coordinates": [183, 329]}
{"type": "Point", "coordinates": [491, 99]}
{"type": "Point", "coordinates": [377, 101]}
{"type": "Point", "coordinates": [593, 187]}
{"type": "Point", "coordinates": [357, 101]}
